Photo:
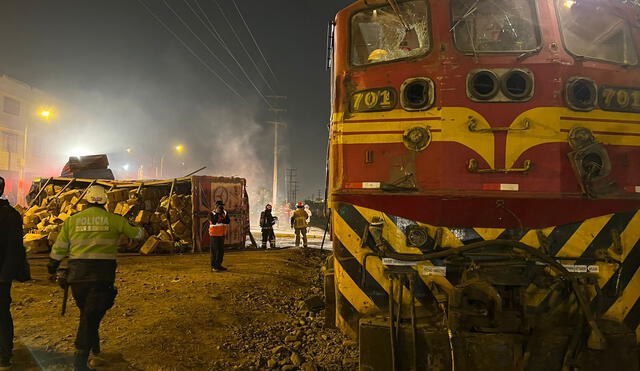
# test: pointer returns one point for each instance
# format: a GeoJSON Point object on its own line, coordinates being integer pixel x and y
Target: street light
{"type": "Point", "coordinates": [178, 148]}
{"type": "Point", "coordinates": [44, 114]}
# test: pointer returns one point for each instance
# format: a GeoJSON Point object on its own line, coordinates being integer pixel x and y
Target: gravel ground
{"type": "Point", "coordinates": [171, 313]}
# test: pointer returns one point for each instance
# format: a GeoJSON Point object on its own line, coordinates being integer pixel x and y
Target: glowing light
{"type": "Point", "coordinates": [129, 150]}
{"type": "Point", "coordinates": [179, 148]}
{"type": "Point", "coordinates": [569, 3]}
{"type": "Point", "coordinates": [79, 152]}
{"type": "Point", "coordinates": [126, 167]}
{"type": "Point", "coordinates": [45, 114]}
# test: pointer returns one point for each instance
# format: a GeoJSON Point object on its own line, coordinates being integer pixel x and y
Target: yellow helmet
{"type": "Point", "coordinates": [378, 54]}
{"type": "Point", "coordinates": [96, 195]}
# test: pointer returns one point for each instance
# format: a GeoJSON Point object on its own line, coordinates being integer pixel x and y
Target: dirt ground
{"type": "Point", "coordinates": [172, 313]}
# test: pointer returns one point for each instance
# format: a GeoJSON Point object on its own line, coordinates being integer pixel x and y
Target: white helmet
{"type": "Point", "coordinates": [96, 195]}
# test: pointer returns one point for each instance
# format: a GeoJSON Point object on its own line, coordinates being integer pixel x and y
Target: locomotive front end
{"type": "Point", "coordinates": [484, 183]}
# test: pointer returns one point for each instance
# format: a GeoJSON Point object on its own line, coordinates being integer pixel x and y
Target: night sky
{"type": "Point", "coordinates": [138, 87]}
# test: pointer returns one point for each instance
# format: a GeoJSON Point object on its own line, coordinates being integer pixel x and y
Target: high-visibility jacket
{"type": "Point", "coordinates": [218, 224]}
{"type": "Point", "coordinates": [90, 240]}
{"type": "Point", "coordinates": [299, 219]}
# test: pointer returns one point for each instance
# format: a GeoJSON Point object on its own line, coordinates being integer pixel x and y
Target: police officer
{"type": "Point", "coordinates": [299, 223]}
{"type": "Point", "coordinates": [267, 220]}
{"type": "Point", "coordinates": [90, 240]}
{"type": "Point", "coordinates": [218, 223]}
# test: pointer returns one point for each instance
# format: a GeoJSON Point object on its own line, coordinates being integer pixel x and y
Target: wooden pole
{"type": "Point", "coordinates": [168, 215]}
{"type": "Point", "coordinates": [40, 191]}
{"type": "Point", "coordinates": [84, 193]}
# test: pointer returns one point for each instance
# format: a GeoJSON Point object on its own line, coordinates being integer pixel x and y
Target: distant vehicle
{"type": "Point", "coordinates": [484, 183]}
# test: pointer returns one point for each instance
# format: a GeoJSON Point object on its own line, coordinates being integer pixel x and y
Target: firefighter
{"type": "Point", "coordinates": [90, 240]}
{"type": "Point", "coordinates": [299, 222]}
{"type": "Point", "coordinates": [267, 220]}
{"type": "Point", "coordinates": [218, 223]}
{"type": "Point", "coordinates": [307, 209]}
{"type": "Point", "coordinates": [13, 266]}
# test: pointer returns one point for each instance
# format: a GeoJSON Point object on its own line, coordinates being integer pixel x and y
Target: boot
{"type": "Point", "coordinates": [5, 363]}
{"type": "Point", "coordinates": [80, 361]}
{"type": "Point", "coordinates": [97, 361]}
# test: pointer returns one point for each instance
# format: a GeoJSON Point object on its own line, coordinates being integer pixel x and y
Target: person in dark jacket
{"type": "Point", "coordinates": [218, 223]}
{"type": "Point", "coordinates": [12, 264]}
{"type": "Point", "coordinates": [267, 220]}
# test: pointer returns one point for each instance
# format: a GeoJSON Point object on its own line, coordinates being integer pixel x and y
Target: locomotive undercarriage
{"type": "Point", "coordinates": [479, 304]}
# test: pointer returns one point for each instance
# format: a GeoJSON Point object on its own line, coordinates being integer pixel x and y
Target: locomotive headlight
{"type": "Point", "coordinates": [483, 84]}
{"type": "Point", "coordinates": [417, 94]}
{"type": "Point", "coordinates": [517, 84]}
{"type": "Point", "coordinates": [581, 94]}
{"type": "Point", "coordinates": [417, 138]}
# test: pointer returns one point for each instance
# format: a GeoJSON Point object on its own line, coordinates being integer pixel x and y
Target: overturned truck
{"type": "Point", "coordinates": [174, 213]}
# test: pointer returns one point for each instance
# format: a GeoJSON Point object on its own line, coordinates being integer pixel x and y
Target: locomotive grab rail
{"type": "Point", "coordinates": [473, 127]}
{"type": "Point", "coordinates": [473, 168]}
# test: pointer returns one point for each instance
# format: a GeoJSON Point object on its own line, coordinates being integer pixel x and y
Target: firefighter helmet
{"type": "Point", "coordinates": [299, 204]}
{"type": "Point", "coordinates": [96, 195]}
{"type": "Point", "coordinates": [378, 55]}
{"type": "Point", "coordinates": [268, 207]}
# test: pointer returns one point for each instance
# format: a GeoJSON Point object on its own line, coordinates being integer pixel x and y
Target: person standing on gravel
{"type": "Point", "coordinates": [267, 220]}
{"type": "Point", "coordinates": [90, 240]}
{"type": "Point", "coordinates": [218, 223]}
{"type": "Point", "coordinates": [13, 266]}
{"type": "Point", "coordinates": [299, 223]}
{"type": "Point", "coordinates": [307, 209]}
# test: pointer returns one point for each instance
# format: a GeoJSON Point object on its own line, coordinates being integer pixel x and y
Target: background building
{"type": "Point", "coordinates": [25, 115]}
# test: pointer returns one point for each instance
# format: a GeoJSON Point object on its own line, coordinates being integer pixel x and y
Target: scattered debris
{"type": "Point", "coordinates": [166, 219]}
{"type": "Point", "coordinates": [238, 320]}
{"type": "Point", "coordinates": [314, 304]}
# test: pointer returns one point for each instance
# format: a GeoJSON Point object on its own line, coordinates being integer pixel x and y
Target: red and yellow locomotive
{"type": "Point", "coordinates": [484, 183]}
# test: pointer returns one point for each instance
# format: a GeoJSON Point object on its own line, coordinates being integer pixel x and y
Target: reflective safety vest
{"type": "Point", "coordinates": [93, 234]}
{"type": "Point", "coordinates": [218, 227]}
{"type": "Point", "coordinates": [299, 219]}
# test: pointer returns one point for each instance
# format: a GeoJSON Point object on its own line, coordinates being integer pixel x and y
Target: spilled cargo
{"type": "Point", "coordinates": [174, 213]}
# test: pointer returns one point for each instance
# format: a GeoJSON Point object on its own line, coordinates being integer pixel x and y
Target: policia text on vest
{"type": "Point", "coordinates": [90, 240]}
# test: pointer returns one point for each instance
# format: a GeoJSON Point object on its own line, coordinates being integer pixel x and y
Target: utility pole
{"type": "Point", "coordinates": [292, 185]}
{"type": "Point", "coordinates": [276, 123]}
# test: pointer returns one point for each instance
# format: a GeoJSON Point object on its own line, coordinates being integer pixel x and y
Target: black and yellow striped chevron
{"type": "Point", "coordinates": [361, 291]}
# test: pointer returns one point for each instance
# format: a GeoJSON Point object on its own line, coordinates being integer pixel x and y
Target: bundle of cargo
{"type": "Point", "coordinates": [174, 213]}
{"type": "Point", "coordinates": [87, 167]}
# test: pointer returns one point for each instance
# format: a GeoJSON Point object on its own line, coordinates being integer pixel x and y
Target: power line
{"type": "Point", "coordinates": [203, 43]}
{"type": "Point", "coordinates": [242, 45]}
{"type": "Point", "coordinates": [213, 28]}
{"type": "Point", "coordinates": [254, 41]}
{"type": "Point", "coordinates": [190, 50]}
{"type": "Point", "coordinates": [213, 31]}
{"type": "Point", "coordinates": [218, 38]}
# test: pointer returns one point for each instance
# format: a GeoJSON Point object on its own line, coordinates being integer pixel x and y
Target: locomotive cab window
{"type": "Point", "coordinates": [592, 30]}
{"type": "Point", "coordinates": [495, 26]}
{"type": "Point", "coordinates": [396, 31]}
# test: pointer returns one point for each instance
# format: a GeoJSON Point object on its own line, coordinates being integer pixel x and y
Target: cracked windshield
{"type": "Point", "coordinates": [390, 33]}
{"type": "Point", "coordinates": [494, 25]}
